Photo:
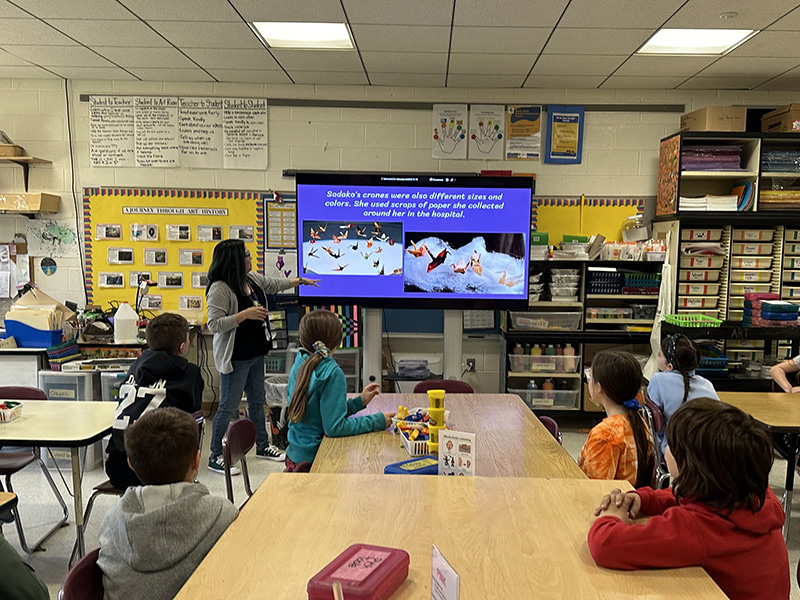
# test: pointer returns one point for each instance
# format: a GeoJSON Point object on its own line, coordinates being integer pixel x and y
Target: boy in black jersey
{"type": "Point", "coordinates": [161, 376]}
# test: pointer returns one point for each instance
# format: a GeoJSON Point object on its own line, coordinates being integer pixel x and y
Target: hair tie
{"type": "Point", "coordinates": [631, 404]}
{"type": "Point", "coordinates": [671, 343]}
{"type": "Point", "coordinates": [321, 348]}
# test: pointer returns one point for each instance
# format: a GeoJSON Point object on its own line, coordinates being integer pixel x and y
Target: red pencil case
{"type": "Point", "coordinates": [365, 572]}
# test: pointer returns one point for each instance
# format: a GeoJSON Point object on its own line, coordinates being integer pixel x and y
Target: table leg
{"type": "Point", "coordinates": [789, 487]}
{"type": "Point", "coordinates": [76, 490]}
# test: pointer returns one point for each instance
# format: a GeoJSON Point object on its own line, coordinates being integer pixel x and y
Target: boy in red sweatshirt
{"type": "Point", "coordinates": [720, 513]}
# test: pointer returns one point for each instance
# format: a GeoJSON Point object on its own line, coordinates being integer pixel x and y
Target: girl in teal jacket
{"type": "Point", "coordinates": [317, 392]}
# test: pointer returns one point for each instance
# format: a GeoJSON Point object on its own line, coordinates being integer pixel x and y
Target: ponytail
{"type": "Point", "coordinates": [299, 401]}
{"type": "Point", "coordinates": [644, 458]}
{"type": "Point", "coordinates": [684, 356]}
{"type": "Point", "coordinates": [686, 383]}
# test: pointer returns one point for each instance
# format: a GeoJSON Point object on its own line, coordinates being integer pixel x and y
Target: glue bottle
{"type": "Point", "coordinates": [126, 329]}
{"type": "Point", "coordinates": [569, 363]}
{"type": "Point", "coordinates": [536, 350]}
{"type": "Point", "coordinates": [532, 384]}
{"type": "Point", "coordinates": [550, 351]}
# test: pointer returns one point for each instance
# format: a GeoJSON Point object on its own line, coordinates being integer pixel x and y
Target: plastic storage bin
{"type": "Point", "coordinates": [752, 235]}
{"type": "Point", "coordinates": [791, 262]}
{"type": "Point", "coordinates": [71, 387]}
{"type": "Point", "coordinates": [697, 301]}
{"type": "Point", "coordinates": [701, 262]}
{"type": "Point", "coordinates": [750, 249]}
{"type": "Point", "coordinates": [739, 289]}
{"type": "Point", "coordinates": [29, 337]}
{"type": "Point", "coordinates": [791, 276]}
{"type": "Point", "coordinates": [643, 311]}
{"type": "Point", "coordinates": [704, 235]}
{"type": "Point", "coordinates": [698, 289]}
{"type": "Point", "coordinates": [687, 275]}
{"type": "Point", "coordinates": [109, 385]}
{"type": "Point", "coordinates": [561, 399]}
{"type": "Point", "coordinates": [793, 249]}
{"type": "Point", "coordinates": [750, 276]}
{"type": "Point", "coordinates": [544, 321]}
{"type": "Point", "coordinates": [747, 262]}
{"type": "Point", "coordinates": [521, 363]}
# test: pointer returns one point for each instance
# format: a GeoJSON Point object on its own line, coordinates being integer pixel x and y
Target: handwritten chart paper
{"type": "Point", "coordinates": [281, 227]}
{"type": "Point", "coordinates": [170, 131]}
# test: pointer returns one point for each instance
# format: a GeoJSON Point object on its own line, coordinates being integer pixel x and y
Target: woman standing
{"type": "Point", "coordinates": [237, 316]}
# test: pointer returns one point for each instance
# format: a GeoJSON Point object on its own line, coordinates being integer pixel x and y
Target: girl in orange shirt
{"type": "Point", "coordinates": [618, 447]}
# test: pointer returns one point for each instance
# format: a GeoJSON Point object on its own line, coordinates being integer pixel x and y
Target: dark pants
{"type": "Point", "coordinates": [120, 473]}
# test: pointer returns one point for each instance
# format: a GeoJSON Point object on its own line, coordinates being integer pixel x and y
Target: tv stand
{"type": "Point", "coordinates": [373, 344]}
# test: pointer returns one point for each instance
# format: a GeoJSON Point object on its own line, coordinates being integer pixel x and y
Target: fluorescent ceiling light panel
{"type": "Point", "coordinates": [695, 41]}
{"type": "Point", "coordinates": [305, 35]}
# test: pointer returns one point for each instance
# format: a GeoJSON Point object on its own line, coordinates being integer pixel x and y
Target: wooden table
{"type": "Point", "coordinates": [7, 501]}
{"type": "Point", "coordinates": [778, 413]}
{"type": "Point", "coordinates": [511, 441]}
{"type": "Point", "coordinates": [506, 538]}
{"type": "Point", "coordinates": [61, 424]}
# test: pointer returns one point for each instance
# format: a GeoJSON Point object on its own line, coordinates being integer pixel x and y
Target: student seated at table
{"type": "Point", "coordinates": [160, 377]}
{"type": "Point", "coordinates": [618, 447]}
{"type": "Point", "coordinates": [152, 540]}
{"type": "Point", "coordinates": [720, 513]}
{"type": "Point", "coordinates": [780, 374]}
{"type": "Point", "coordinates": [18, 581]}
{"type": "Point", "coordinates": [676, 381]}
{"type": "Point", "coordinates": [317, 392]}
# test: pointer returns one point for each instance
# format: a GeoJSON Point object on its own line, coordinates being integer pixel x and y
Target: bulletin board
{"type": "Point", "coordinates": [168, 234]}
{"type": "Point", "coordinates": [583, 215]}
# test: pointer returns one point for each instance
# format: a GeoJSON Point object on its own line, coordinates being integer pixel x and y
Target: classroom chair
{"type": "Point", "coordinates": [107, 489]}
{"type": "Point", "coordinates": [450, 386]}
{"type": "Point", "coordinates": [239, 439]}
{"type": "Point", "coordinates": [14, 461]}
{"type": "Point", "coordinates": [655, 422]}
{"type": "Point", "coordinates": [552, 427]}
{"type": "Point", "coordinates": [84, 581]}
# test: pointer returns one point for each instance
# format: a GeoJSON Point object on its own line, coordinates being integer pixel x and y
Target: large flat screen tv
{"type": "Point", "coordinates": [414, 241]}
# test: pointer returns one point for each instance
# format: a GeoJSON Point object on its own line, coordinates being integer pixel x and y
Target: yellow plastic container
{"type": "Point", "coordinates": [434, 433]}
{"type": "Point", "coordinates": [436, 398]}
{"type": "Point", "coordinates": [433, 447]}
{"type": "Point", "coordinates": [436, 415]}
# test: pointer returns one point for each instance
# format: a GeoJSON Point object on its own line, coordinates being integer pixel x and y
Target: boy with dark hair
{"type": "Point", "coordinates": [160, 377]}
{"type": "Point", "coordinates": [152, 540]}
{"type": "Point", "coordinates": [720, 513]}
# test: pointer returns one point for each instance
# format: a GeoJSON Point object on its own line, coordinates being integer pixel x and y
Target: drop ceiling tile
{"type": "Point", "coordinates": [318, 60]}
{"type": "Point", "coordinates": [705, 14]}
{"type": "Point", "coordinates": [256, 60]}
{"type": "Point", "coordinates": [109, 33]}
{"type": "Point", "coordinates": [509, 13]}
{"type": "Point", "coordinates": [92, 73]}
{"type": "Point", "coordinates": [771, 43]}
{"type": "Point", "coordinates": [91, 10]}
{"type": "Point", "coordinates": [30, 72]}
{"type": "Point", "coordinates": [788, 83]}
{"type": "Point", "coordinates": [407, 79]}
{"type": "Point", "coordinates": [561, 64]}
{"type": "Point", "coordinates": [617, 82]}
{"type": "Point", "coordinates": [154, 58]}
{"type": "Point", "coordinates": [329, 78]}
{"type": "Point", "coordinates": [492, 64]}
{"type": "Point", "coordinates": [790, 22]}
{"type": "Point", "coordinates": [249, 76]}
{"type": "Point", "coordinates": [405, 62]}
{"type": "Point", "coordinates": [146, 74]}
{"type": "Point", "coordinates": [596, 41]}
{"type": "Point", "coordinates": [9, 11]}
{"type": "Point", "coordinates": [408, 12]}
{"type": "Point", "coordinates": [183, 10]}
{"type": "Point", "coordinates": [8, 59]}
{"type": "Point", "coordinates": [499, 40]}
{"type": "Point", "coordinates": [207, 35]}
{"type": "Point", "coordinates": [618, 14]}
{"type": "Point", "coordinates": [321, 11]}
{"type": "Point", "coordinates": [733, 66]}
{"type": "Point", "coordinates": [722, 83]}
{"type": "Point", "coordinates": [563, 81]}
{"type": "Point", "coordinates": [664, 66]}
{"type": "Point", "coordinates": [484, 81]}
{"type": "Point", "coordinates": [67, 56]}
{"type": "Point", "coordinates": [401, 38]}
{"type": "Point", "coordinates": [31, 31]}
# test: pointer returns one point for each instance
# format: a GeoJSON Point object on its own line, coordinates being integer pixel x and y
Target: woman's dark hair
{"type": "Point", "coordinates": [317, 326]}
{"type": "Point", "coordinates": [228, 266]}
{"type": "Point", "coordinates": [723, 455]}
{"type": "Point", "coordinates": [684, 356]}
{"type": "Point", "coordinates": [620, 376]}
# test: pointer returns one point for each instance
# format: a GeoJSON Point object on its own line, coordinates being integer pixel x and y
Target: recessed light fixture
{"type": "Point", "coordinates": [305, 35]}
{"type": "Point", "coordinates": [695, 41]}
